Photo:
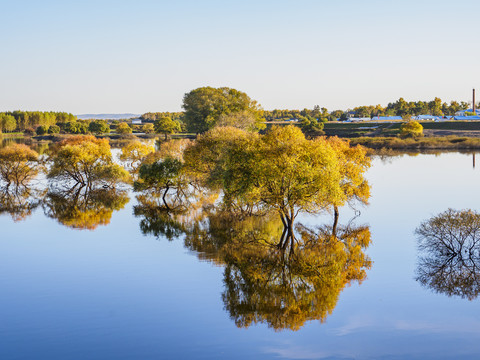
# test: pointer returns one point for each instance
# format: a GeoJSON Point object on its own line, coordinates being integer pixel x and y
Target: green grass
{"type": "Point", "coordinates": [451, 125]}
{"type": "Point", "coordinates": [445, 142]}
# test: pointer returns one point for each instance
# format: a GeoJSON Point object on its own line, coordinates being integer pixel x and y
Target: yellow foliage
{"type": "Point", "coordinates": [18, 164]}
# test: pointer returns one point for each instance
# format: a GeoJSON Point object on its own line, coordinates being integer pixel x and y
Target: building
{"type": "Point", "coordinates": [462, 112]}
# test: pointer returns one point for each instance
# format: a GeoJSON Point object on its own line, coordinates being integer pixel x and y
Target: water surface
{"type": "Point", "coordinates": [109, 291]}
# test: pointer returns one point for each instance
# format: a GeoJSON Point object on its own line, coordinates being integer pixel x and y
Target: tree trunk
{"type": "Point", "coordinates": [163, 198]}
{"type": "Point", "coordinates": [335, 220]}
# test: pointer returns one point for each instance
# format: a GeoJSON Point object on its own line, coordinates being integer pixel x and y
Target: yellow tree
{"type": "Point", "coordinates": [87, 161]}
{"type": "Point", "coordinates": [134, 153]}
{"type": "Point", "coordinates": [265, 284]}
{"type": "Point", "coordinates": [281, 171]}
{"type": "Point", "coordinates": [411, 129]}
{"type": "Point", "coordinates": [123, 128]}
{"type": "Point", "coordinates": [18, 164]}
{"type": "Point", "coordinates": [167, 126]}
{"type": "Point", "coordinates": [354, 162]}
{"type": "Point", "coordinates": [81, 208]}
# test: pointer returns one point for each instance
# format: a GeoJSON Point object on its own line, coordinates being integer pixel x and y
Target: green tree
{"type": "Point", "coordinates": [160, 177]}
{"type": "Point", "coordinates": [42, 130]}
{"type": "Point", "coordinates": [75, 127]}
{"type": "Point", "coordinates": [204, 106]}
{"type": "Point", "coordinates": [99, 127]}
{"type": "Point", "coordinates": [166, 125]}
{"type": "Point", "coordinates": [310, 126]}
{"type": "Point", "coordinates": [53, 129]}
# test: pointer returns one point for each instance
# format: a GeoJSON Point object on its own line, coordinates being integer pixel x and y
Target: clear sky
{"type": "Point", "coordinates": [136, 56]}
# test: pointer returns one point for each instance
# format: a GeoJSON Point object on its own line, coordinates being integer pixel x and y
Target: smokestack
{"type": "Point", "coordinates": [474, 102]}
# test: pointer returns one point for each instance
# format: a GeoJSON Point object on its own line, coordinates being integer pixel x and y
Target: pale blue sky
{"type": "Point", "coordinates": [137, 56]}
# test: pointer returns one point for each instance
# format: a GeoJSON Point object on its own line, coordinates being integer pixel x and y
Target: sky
{"type": "Point", "coordinates": [142, 56]}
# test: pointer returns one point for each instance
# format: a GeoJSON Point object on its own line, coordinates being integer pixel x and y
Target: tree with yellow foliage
{"type": "Point", "coordinates": [81, 208]}
{"type": "Point", "coordinates": [281, 171]}
{"type": "Point", "coordinates": [411, 129]}
{"type": "Point", "coordinates": [134, 153]}
{"type": "Point", "coordinates": [18, 164]}
{"type": "Point", "coordinates": [87, 161]}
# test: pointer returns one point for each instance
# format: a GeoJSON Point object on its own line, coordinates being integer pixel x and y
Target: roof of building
{"type": "Point", "coordinates": [387, 118]}
{"type": "Point", "coordinates": [427, 117]}
{"type": "Point", "coordinates": [466, 118]}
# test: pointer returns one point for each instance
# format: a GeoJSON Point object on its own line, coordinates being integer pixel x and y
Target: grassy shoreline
{"type": "Point", "coordinates": [450, 142]}
{"type": "Point", "coordinates": [460, 141]}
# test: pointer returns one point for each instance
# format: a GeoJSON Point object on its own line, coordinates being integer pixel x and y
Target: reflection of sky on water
{"type": "Point", "coordinates": [114, 293]}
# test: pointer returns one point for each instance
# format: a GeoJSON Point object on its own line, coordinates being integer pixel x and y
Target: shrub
{"type": "Point", "coordinates": [42, 130]}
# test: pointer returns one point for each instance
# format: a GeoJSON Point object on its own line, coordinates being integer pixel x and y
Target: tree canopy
{"type": "Point", "coordinates": [204, 107]}
{"type": "Point", "coordinates": [87, 161]}
{"type": "Point", "coordinates": [166, 125]}
{"type": "Point", "coordinates": [18, 164]}
{"type": "Point", "coordinates": [411, 129]}
{"type": "Point", "coordinates": [450, 253]}
{"type": "Point", "coordinates": [280, 171]}
{"type": "Point", "coordinates": [99, 127]}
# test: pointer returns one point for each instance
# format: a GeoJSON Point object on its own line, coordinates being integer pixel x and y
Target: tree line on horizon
{"type": "Point", "coordinates": [208, 107]}
{"type": "Point", "coordinates": [401, 107]}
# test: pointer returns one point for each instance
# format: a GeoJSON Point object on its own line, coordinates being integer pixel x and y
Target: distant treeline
{"type": "Point", "coordinates": [22, 120]}
{"type": "Point", "coordinates": [41, 123]}
{"type": "Point", "coordinates": [401, 107]}
{"type": "Point", "coordinates": [398, 108]}
{"type": "Point", "coordinates": [152, 116]}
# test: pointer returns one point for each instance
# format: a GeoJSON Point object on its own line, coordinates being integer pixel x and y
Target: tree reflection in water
{"type": "Point", "coordinates": [265, 283]}
{"type": "Point", "coordinates": [20, 201]}
{"type": "Point", "coordinates": [450, 244]}
{"type": "Point", "coordinates": [80, 208]}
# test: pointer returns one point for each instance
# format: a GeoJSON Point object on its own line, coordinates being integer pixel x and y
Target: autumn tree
{"type": "Point", "coordinates": [123, 128]}
{"type": "Point", "coordinates": [7, 123]}
{"type": "Point", "coordinates": [81, 208]}
{"type": "Point", "coordinates": [160, 177]}
{"type": "Point", "coordinates": [134, 153]}
{"type": "Point", "coordinates": [271, 285]}
{"type": "Point", "coordinates": [411, 129]}
{"type": "Point", "coordinates": [280, 171]}
{"type": "Point", "coordinates": [148, 128]}
{"type": "Point", "coordinates": [18, 164]}
{"type": "Point", "coordinates": [354, 163]}
{"type": "Point", "coordinates": [204, 107]}
{"type": "Point", "coordinates": [86, 161]}
{"type": "Point", "coordinates": [166, 125]}
{"type": "Point", "coordinates": [19, 201]}
{"type": "Point", "coordinates": [245, 120]}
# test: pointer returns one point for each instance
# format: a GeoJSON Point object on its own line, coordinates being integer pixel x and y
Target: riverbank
{"type": "Point", "coordinates": [450, 142]}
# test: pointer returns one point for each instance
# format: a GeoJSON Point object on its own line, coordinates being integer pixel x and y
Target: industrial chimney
{"type": "Point", "coordinates": [474, 102]}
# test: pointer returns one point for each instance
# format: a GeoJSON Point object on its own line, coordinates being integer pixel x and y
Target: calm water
{"type": "Point", "coordinates": [114, 293]}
